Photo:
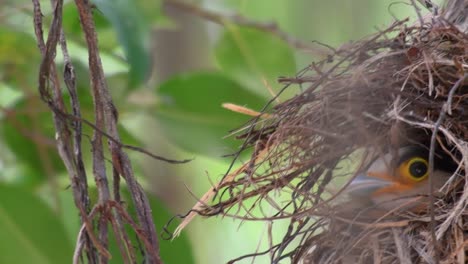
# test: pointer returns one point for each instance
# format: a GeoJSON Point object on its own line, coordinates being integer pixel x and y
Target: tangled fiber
{"type": "Point", "coordinates": [406, 84]}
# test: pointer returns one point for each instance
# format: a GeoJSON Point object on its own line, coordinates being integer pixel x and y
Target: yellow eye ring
{"type": "Point", "coordinates": [415, 169]}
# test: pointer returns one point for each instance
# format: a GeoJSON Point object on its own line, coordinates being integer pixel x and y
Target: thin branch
{"type": "Point", "coordinates": [118, 142]}
{"type": "Point", "coordinates": [106, 118]}
{"type": "Point", "coordinates": [271, 27]}
{"type": "Point", "coordinates": [446, 108]}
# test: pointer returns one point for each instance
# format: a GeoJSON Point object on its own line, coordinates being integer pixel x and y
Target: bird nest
{"type": "Point", "coordinates": [404, 85]}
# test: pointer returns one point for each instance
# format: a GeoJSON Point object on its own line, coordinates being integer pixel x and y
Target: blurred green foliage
{"type": "Point", "coordinates": [190, 109]}
{"type": "Point", "coordinates": [30, 231]}
{"type": "Point", "coordinates": [250, 57]}
{"type": "Point", "coordinates": [38, 221]}
{"type": "Point", "coordinates": [132, 33]}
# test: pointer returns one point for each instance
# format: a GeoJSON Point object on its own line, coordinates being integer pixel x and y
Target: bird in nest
{"type": "Point", "coordinates": [392, 184]}
{"type": "Point", "coordinates": [398, 181]}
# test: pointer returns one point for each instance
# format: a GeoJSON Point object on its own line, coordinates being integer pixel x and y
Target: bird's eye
{"type": "Point", "coordinates": [416, 169]}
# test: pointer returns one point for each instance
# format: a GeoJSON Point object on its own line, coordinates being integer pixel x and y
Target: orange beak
{"type": "Point", "coordinates": [364, 185]}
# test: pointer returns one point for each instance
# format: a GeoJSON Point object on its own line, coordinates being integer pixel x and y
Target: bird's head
{"type": "Point", "coordinates": [400, 180]}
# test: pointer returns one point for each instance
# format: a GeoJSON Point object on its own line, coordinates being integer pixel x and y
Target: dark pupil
{"type": "Point", "coordinates": [418, 169]}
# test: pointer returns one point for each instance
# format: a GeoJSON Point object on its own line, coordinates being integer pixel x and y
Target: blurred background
{"type": "Point", "coordinates": [170, 66]}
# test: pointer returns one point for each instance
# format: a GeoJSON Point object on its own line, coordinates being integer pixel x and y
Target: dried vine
{"type": "Point", "coordinates": [93, 238]}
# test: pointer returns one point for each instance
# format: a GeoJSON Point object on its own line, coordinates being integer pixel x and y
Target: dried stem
{"type": "Point", "coordinates": [69, 140]}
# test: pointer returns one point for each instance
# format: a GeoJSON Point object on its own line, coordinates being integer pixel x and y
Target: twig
{"type": "Point", "coordinates": [444, 111]}
{"type": "Point", "coordinates": [79, 246]}
{"type": "Point", "coordinates": [48, 72]}
{"type": "Point", "coordinates": [116, 141]}
{"type": "Point", "coordinates": [69, 144]}
{"type": "Point", "coordinates": [138, 231]}
{"type": "Point", "coordinates": [432, 224]}
{"type": "Point", "coordinates": [106, 117]}
{"type": "Point", "coordinates": [271, 28]}
{"type": "Point", "coordinates": [418, 12]}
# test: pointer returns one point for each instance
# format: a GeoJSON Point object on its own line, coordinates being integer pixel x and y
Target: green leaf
{"type": "Point", "coordinates": [30, 232]}
{"type": "Point", "coordinates": [9, 95]}
{"type": "Point", "coordinates": [192, 116]}
{"type": "Point", "coordinates": [249, 56]}
{"type": "Point", "coordinates": [132, 33]}
{"type": "Point", "coordinates": [17, 48]}
{"type": "Point", "coordinates": [29, 134]}
{"type": "Point", "coordinates": [18, 56]}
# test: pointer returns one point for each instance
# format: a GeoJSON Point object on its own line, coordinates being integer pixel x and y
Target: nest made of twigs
{"type": "Point", "coordinates": [406, 84]}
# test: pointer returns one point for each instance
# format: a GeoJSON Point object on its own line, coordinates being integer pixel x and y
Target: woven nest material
{"type": "Point", "coordinates": [406, 84]}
